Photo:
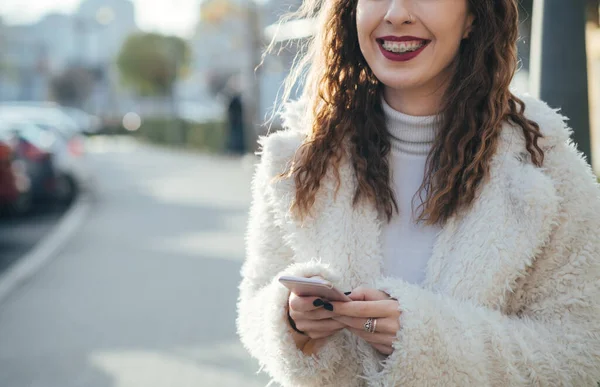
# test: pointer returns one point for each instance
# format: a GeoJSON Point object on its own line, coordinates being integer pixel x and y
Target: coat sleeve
{"type": "Point", "coordinates": [262, 306]}
{"type": "Point", "coordinates": [553, 341]}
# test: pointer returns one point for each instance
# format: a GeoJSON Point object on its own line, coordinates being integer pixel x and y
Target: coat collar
{"type": "Point", "coordinates": [479, 254]}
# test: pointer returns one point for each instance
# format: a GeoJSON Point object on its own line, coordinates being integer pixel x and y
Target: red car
{"type": "Point", "coordinates": [15, 187]}
{"type": "Point", "coordinates": [8, 181]}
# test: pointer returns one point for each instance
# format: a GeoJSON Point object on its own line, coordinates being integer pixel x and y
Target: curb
{"type": "Point", "coordinates": [45, 250]}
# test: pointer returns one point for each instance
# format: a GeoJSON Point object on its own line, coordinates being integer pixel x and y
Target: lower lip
{"type": "Point", "coordinates": [404, 57]}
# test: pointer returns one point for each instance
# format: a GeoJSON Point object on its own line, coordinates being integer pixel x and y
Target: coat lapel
{"type": "Point", "coordinates": [337, 233]}
{"type": "Point", "coordinates": [481, 254]}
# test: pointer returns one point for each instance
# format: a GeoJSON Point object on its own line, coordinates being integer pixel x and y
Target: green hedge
{"type": "Point", "coordinates": [207, 137]}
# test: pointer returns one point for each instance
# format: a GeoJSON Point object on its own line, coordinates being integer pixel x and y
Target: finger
{"type": "Point", "coordinates": [367, 309]}
{"type": "Point", "coordinates": [384, 349]}
{"type": "Point", "coordinates": [319, 326]}
{"type": "Point", "coordinates": [319, 314]}
{"type": "Point", "coordinates": [389, 325]}
{"type": "Point", "coordinates": [374, 338]}
{"type": "Point", "coordinates": [304, 304]}
{"type": "Point", "coordinates": [368, 294]}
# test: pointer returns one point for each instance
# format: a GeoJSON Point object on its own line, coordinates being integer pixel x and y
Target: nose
{"type": "Point", "coordinates": [398, 13]}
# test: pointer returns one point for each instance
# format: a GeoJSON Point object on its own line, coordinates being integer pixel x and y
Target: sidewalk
{"type": "Point", "coordinates": [145, 294]}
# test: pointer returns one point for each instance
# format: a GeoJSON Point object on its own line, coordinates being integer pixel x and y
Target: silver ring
{"type": "Point", "coordinates": [370, 325]}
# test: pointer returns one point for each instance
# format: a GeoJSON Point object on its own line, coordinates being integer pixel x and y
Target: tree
{"type": "Point", "coordinates": [151, 63]}
{"type": "Point", "coordinates": [73, 86]}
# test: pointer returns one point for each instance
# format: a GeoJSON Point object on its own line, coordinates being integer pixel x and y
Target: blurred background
{"type": "Point", "coordinates": [127, 139]}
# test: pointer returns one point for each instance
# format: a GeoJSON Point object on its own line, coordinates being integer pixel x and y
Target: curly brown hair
{"type": "Point", "coordinates": [347, 119]}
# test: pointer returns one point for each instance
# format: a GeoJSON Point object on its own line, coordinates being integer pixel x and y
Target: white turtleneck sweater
{"type": "Point", "coordinates": [407, 246]}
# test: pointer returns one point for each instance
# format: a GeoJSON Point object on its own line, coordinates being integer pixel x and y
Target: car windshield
{"type": "Point", "coordinates": [42, 139]}
{"type": "Point", "coordinates": [30, 132]}
{"type": "Point", "coordinates": [46, 122]}
{"type": "Point", "coordinates": [45, 117]}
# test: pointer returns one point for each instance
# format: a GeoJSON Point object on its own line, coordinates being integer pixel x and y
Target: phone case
{"type": "Point", "coordinates": [313, 287]}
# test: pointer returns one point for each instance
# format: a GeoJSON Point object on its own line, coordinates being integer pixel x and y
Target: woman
{"type": "Point", "coordinates": [460, 216]}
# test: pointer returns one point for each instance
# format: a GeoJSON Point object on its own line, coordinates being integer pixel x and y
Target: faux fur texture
{"type": "Point", "coordinates": [512, 292]}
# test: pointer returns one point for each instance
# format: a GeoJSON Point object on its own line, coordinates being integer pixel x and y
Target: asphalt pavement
{"type": "Point", "coordinates": [144, 293]}
{"type": "Point", "coordinates": [18, 235]}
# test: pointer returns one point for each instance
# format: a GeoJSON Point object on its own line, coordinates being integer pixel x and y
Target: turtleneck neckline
{"type": "Point", "coordinates": [412, 135]}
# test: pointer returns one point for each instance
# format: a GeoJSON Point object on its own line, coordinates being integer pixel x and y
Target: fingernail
{"type": "Point", "coordinates": [347, 293]}
{"type": "Point", "coordinates": [318, 302]}
{"type": "Point", "coordinates": [328, 306]}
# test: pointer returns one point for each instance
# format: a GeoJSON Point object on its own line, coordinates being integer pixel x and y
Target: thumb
{"type": "Point", "coordinates": [367, 294]}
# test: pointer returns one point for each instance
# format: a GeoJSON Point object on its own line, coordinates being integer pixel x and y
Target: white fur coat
{"type": "Point", "coordinates": [512, 291]}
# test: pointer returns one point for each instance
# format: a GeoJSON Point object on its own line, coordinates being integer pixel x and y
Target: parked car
{"type": "Point", "coordinates": [8, 182]}
{"type": "Point", "coordinates": [74, 119]}
{"type": "Point", "coordinates": [87, 123]}
{"type": "Point", "coordinates": [15, 186]}
{"type": "Point", "coordinates": [68, 147]}
{"type": "Point", "coordinates": [32, 149]}
{"type": "Point", "coordinates": [48, 115]}
{"type": "Point", "coordinates": [13, 183]}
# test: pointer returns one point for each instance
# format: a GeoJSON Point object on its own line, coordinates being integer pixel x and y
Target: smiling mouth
{"type": "Point", "coordinates": [402, 47]}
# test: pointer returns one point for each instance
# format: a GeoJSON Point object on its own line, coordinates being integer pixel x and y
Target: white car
{"type": "Point", "coordinates": [70, 117]}
{"type": "Point", "coordinates": [68, 146]}
{"type": "Point", "coordinates": [87, 123]}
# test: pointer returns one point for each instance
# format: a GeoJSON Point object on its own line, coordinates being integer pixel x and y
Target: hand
{"type": "Point", "coordinates": [370, 303]}
{"type": "Point", "coordinates": [311, 316]}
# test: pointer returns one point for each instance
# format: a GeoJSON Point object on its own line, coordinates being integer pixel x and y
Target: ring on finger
{"type": "Point", "coordinates": [370, 325]}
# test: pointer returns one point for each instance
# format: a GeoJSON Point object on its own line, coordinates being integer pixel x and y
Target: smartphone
{"type": "Point", "coordinates": [313, 287]}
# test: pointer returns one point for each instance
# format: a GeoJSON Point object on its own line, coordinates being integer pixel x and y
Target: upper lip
{"type": "Point", "coordinates": [401, 38]}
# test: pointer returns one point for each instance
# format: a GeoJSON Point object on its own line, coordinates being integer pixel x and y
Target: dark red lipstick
{"type": "Point", "coordinates": [405, 56]}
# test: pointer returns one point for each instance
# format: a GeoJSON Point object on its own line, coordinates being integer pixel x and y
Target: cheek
{"type": "Point", "coordinates": [445, 20]}
{"type": "Point", "coordinates": [361, 26]}
{"type": "Point", "coordinates": [445, 50]}
{"type": "Point", "coordinates": [447, 43]}
{"type": "Point", "coordinates": [366, 24]}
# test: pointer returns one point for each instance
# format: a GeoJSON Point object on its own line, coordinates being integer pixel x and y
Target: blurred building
{"type": "Point", "coordinates": [100, 28]}
{"type": "Point", "coordinates": [226, 44]}
{"type": "Point", "coordinates": [219, 52]}
{"type": "Point", "coordinates": [219, 42]}
{"type": "Point", "coordinates": [91, 37]}
{"type": "Point", "coordinates": [24, 64]}
{"type": "Point", "coordinates": [288, 37]}
{"type": "Point", "coordinates": [223, 49]}
{"type": "Point", "coordinates": [274, 9]}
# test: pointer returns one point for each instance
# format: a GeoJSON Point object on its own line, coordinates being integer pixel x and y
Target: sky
{"type": "Point", "coordinates": [177, 17]}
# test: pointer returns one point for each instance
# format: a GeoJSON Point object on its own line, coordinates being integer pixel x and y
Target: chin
{"type": "Point", "coordinates": [400, 83]}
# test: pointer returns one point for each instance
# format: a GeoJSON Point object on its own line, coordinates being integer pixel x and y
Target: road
{"type": "Point", "coordinates": [144, 293]}
{"type": "Point", "coordinates": [18, 235]}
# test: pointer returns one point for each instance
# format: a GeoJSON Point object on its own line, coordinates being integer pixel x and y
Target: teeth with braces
{"type": "Point", "coordinates": [402, 47]}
